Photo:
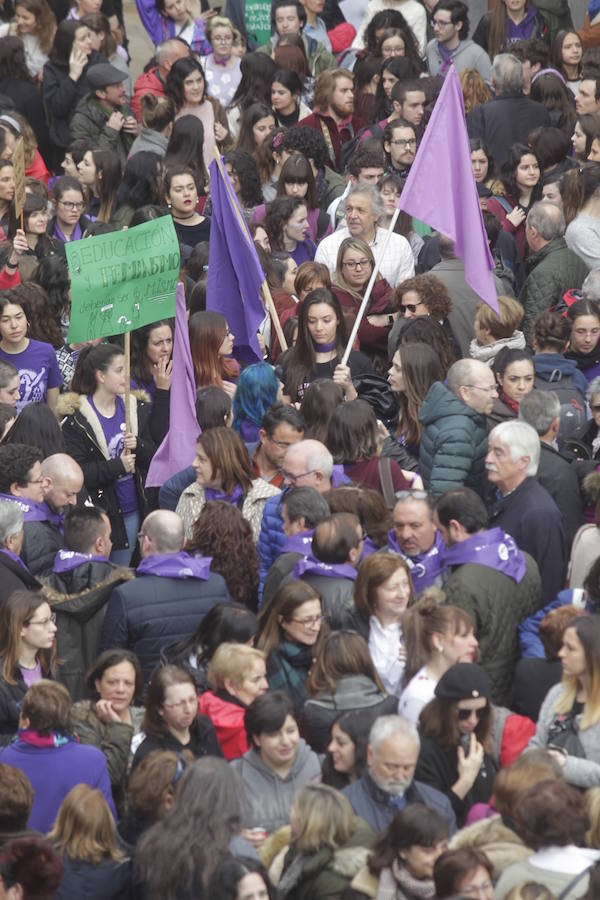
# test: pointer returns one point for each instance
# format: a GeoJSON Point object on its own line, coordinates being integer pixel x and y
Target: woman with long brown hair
{"type": "Point", "coordinates": [27, 653]}
{"type": "Point", "coordinates": [35, 25]}
{"type": "Point", "coordinates": [223, 472]}
{"type": "Point", "coordinates": [415, 367]}
{"type": "Point", "coordinates": [510, 20]}
{"type": "Point", "coordinates": [211, 343]}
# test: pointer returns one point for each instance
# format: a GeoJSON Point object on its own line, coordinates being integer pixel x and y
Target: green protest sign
{"type": "Point", "coordinates": [123, 280]}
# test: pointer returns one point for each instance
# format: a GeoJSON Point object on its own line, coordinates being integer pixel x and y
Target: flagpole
{"type": "Point", "coordinates": [367, 297]}
{"type": "Point", "coordinates": [127, 337]}
{"type": "Point", "coordinates": [264, 288]}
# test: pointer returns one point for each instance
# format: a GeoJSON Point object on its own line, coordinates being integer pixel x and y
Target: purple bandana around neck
{"type": "Point", "coordinates": [492, 548]}
{"type": "Point", "coordinates": [233, 498]}
{"type": "Point", "coordinates": [176, 565]}
{"type": "Point", "coordinates": [76, 236]}
{"type": "Point", "coordinates": [368, 548]}
{"type": "Point", "coordinates": [67, 560]}
{"type": "Point", "coordinates": [425, 568]}
{"type": "Point", "coordinates": [15, 558]}
{"type": "Point", "coordinates": [35, 512]}
{"type": "Point", "coordinates": [324, 348]}
{"type": "Point", "coordinates": [298, 543]}
{"type": "Point", "coordinates": [338, 476]}
{"type": "Point", "coordinates": [311, 566]}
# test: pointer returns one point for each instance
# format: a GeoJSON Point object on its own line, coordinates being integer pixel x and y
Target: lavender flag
{"type": "Point", "coordinates": [440, 189]}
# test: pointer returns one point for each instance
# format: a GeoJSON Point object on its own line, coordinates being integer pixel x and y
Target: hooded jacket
{"type": "Point", "coordinates": [468, 55]}
{"type": "Point", "coordinates": [269, 796]}
{"type": "Point", "coordinates": [147, 83]}
{"type": "Point", "coordinates": [546, 365]}
{"type": "Point", "coordinates": [79, 598]}
{"type": "Point", "coordinates": [354, 693]}
{"type": "Point", "coordinates": [107, 880]}
{"type": "Point", "coordinates": [453, 442]}
{"type": "Point", "coordinates": [89, 122]}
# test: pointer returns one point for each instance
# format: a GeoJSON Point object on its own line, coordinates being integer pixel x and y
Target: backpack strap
{"type": "Point", "coordinates": [329, 143]}
{"type": "Point", "coordinates": [385, 479]}
{"type": "Point", "coordinates": [566, 891]}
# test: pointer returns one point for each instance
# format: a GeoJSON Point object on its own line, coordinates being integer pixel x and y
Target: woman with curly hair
{"type": "Point", "coordinates": [426, 295]}
{"type": "Point", "coordinates": [522, 180]}
{"type": "Point", "coordinates": [415, 367]}
{"type": "Point", "coordinates": [186, 88]}
{"type": "Point", "coordinates": [474, 89]}
{"type": "Point", "coordinates": [211, 343]}
{"type": "Point", "coordinates": [222, 532]}
{"type": "Point", "coordinates": [245, 180]}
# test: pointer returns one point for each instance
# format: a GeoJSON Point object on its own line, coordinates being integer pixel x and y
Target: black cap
{"type": "Point", "coordinates": [463, 681]}
{"type": "Point", "coordinates": [103, 74]}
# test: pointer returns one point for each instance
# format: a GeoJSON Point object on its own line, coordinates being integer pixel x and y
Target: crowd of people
{"type": "Point", "coordinates": [350, 648]}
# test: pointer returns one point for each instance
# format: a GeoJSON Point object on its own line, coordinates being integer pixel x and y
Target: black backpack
{"type": "Point", "coordinates": [572, 402]}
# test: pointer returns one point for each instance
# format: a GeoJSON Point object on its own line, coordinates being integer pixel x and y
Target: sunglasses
{"type": "Point", "coordinates": [464, 714]}
{"type": "Point", "coordinates": [409, 307]}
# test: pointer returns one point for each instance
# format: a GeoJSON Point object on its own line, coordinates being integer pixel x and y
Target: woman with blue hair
{"type": "Point", "coordinates": [258, 389]}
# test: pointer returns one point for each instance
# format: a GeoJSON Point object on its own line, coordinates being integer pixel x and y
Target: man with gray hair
{"type": "Point", "coordinates": [14, 574]}
{"type": "Point", "coordinates": [364, 208]}
{"type": "Point", "coordinates": [388, 784]}
{"type": "Point", "coordinates": [169, 598]}
{"type": "Point", "coordinates": [541, 410]}
{"type": "Point", "coordinates": [508, 117]}
{"type": "Point", "coordinates": [524, 508]}
{"type": "Point", "coordinates": [552, 267]}
{"type": "Point", "coordinates": [153, 81]}
{"type": "Point", "coordinates": [454, 436]}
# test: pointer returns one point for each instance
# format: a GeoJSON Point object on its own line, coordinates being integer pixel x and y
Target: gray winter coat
{"type": "Point", "coordinates": [151, 140]}
{"type": "Point", "coordinates": [468, 55]}
{"type": "Point", "coordinates": [270, 797]}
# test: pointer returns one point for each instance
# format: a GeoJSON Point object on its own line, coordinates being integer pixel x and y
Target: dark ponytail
{"type": "Point", "coordinates": [90, 361]}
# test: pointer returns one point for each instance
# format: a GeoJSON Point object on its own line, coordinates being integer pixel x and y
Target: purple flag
{"type": "Point", "coordinates": [179, 446]}
{"type": "Point", "coordinates": [234, 272]}
{"type": "Point", "coordinates": [440, 189]}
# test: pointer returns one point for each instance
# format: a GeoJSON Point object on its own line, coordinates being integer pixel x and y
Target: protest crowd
{"type": "Point", "coordinates": [299, 451]}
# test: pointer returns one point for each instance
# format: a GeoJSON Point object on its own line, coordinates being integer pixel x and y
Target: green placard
{"type": "Point", "coordinates": [123, 280]}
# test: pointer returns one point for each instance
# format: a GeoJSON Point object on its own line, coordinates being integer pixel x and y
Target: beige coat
{"type": "Point", "coordinates": [501, 844]}
{"type": "Point", "coordinates": [192, 501]}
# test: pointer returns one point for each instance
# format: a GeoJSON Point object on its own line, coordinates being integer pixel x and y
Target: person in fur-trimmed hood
{"type": "Point", "coordinates": [328, 846]}
{"type": "Point", "coordinates": [78, 590]}
{"type": "Point", "coordinates": [114, 460]}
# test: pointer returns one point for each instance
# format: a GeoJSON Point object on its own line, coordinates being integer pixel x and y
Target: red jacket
{"type": "Point", "coordinates": [147, 83]}
{"type": "Point", "coordinates": [228, 719]}
{"type": "Point", "coordinates": [338, 138]}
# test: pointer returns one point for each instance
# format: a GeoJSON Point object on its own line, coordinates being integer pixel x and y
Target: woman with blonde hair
{"type": "Point", "coordinates": [493, 333]}
{"type": "Point", "coordinates": [329, 845]}
{"type": "Point", "coordinates": [569, 720]}
{"type": "Point", "coordinates": [84, 834]}
{"type": "Point", "coordinates": [342, 679]}
{"type": "Point", "coordinates": [237, 675]}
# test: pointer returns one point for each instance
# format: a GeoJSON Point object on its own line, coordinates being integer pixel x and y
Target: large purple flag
{"type": "Point", "coordinates": [440, 189]}
{"type": "Point", "coordinates": [179, 446]}
{"type": "Point", "coordinates": [234, 272]}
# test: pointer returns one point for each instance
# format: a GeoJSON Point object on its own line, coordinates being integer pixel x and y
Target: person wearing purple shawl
{"type": "Point", "coordinates": [489, 577]}
{"type": "Point", "coordinates": [415, 538]}
{"type": "Point", "coordinates": [169, 598]}
{"type": "Point", "coordinates": [14, 574]}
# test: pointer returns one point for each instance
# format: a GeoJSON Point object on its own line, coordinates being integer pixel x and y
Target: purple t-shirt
{"type": "Point", "coordinates": [38, 371]}
{"type": "Point", "coordinates": [32, 676]}
{"type": "Point", "coordinates": [114, 429]}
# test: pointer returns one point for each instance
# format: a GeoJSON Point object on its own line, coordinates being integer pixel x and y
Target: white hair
{"type": "Point", "coordinates": [386, 727]}
{"type": "Point", "coordinates": [519, 439]}
{"type": "Point", "coordinates": [11, 520]}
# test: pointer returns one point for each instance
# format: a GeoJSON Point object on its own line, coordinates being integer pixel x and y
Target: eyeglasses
{"type": "Point", "coordinates": [294, 478]}
{"type": "Point", "coordinates": [68, 204]}
{"type": "Point", "coordinates": [409, 307]}
{"type": "Point", "coordinates": [464, 714]}
{"type": "Point", "coordinates": [51, 620]}
{"type": "Point", "coordinates": [310, 621]}
{"type": "Point", "coordinates": [355, 263]}
{"type": "Point", "coordinates": [411, 142]}
{"type": "Point", "coordinates": [40, 480]}
{"type": "Point", "coordinates": [478, 387]}
{"type": "Point", "coordinates": [596, 408]}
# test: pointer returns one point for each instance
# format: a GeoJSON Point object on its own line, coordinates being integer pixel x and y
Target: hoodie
{"type": "Point", "coordinates": [269, 796]}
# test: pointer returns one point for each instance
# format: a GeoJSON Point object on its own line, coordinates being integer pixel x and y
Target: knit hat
{"type": "Point", "coordinates": [463, 681]}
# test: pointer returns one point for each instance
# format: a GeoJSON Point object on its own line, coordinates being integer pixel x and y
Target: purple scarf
{"type": "Point", "coordinates": [368, 548]}
{"type": "Point", "coordinates": [338, 476]}
{"type": "Point", "coordinates": [492, 548]}
{"type": "Point", "coordinates": [15, 558]}
{"type": "Point", "coordinates": [298, 543]}
{"type": "Point", "coordinates": [233, 498]}
{"type": "Point", "coordinates": [425, 568]}
{"type": "Point", "coordinates": [35, 512]}
{"type": "Point", "coordinates": [176, 565]}
{"type": "Point", "coordinates": [311, 566]}
{"type": "Point", "coordinates": [67, 560]}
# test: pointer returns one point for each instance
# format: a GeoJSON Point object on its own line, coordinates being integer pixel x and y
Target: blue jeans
{"type": "Point", "coordinates": [132, 524]}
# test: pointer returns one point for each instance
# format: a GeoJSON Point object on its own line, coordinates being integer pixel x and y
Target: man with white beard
{"type": "Point", "coordinates": [388, 786]}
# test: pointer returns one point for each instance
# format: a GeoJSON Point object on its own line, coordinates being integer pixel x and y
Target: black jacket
{"type": "Point", "coordinates": [506, 120]}
{"type": "Point", "coordinates": [85, 442]}
{"type": "Point", "coordinates": [14, 577]}
{"type": "Point", "coordinates": [203, 742]}
{"type": "Point", "coordinates": [559, 477]}
{"type": "Point", "coordinates": [533, 680]}
{"type": "Point", "coordinates": [107, 881]}
{"type": "Point", "coordinates": [11, 696]}
{"type": "Point", "coordinates": [27, 101]}
{"type": "Point", "coordinates": [533, 519]}
{"type": "Point", "coordinates": [41, 543]}
{"type": "Point", "coordinates": [79, 599]}
{"type": "Point", "coordinates": [61, 95]}
{"type": "Point", "coordinates": [150, 612]}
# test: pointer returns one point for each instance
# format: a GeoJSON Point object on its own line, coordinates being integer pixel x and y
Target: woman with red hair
{"type": "Point", "coordinates": [211, 343]}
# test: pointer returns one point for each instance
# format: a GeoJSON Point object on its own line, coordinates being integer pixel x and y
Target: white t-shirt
{"type": "Point", "coordinates": [417, 694]}
{"type": "Point", "coordinates": [386, 649]}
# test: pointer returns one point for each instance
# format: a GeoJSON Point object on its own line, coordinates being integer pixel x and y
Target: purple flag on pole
{"type": "Point", "coordinates": [234, 272]}
{"type": "Point", "coordinates": [179, 446]}
{"type": "Point", "coordinates": [440, 189]}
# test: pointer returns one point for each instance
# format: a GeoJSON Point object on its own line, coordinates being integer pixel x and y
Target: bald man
{"type": "Point", "coordinates": [169, 598]}
{"type": "Point", "coordinates": [42, 538]}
